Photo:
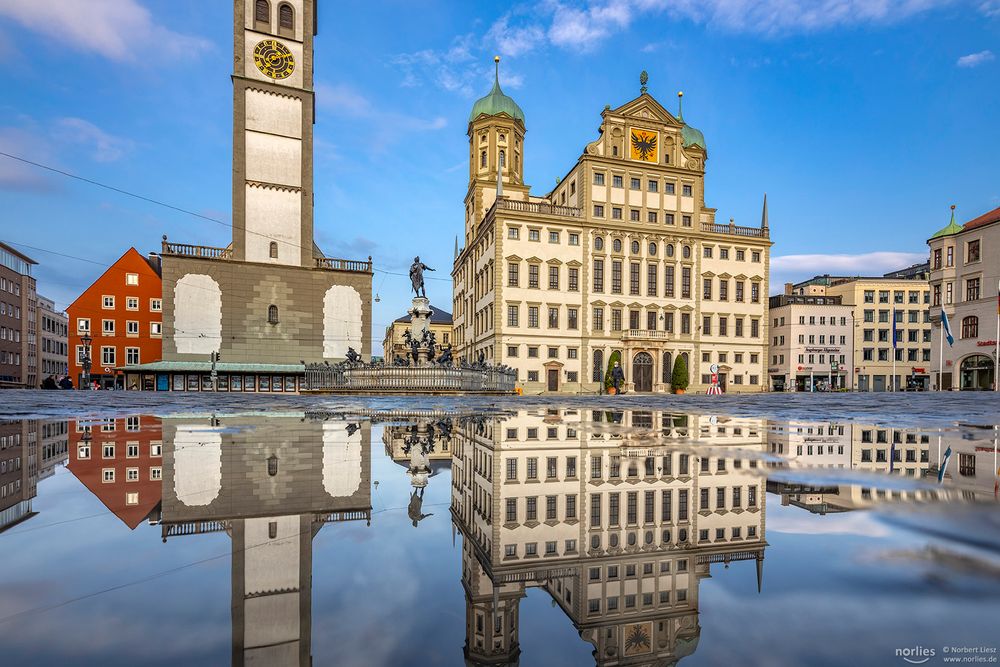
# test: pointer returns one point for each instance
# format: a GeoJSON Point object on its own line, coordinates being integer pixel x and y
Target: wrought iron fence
{"type": "Point", "coordinates": [404, 379]}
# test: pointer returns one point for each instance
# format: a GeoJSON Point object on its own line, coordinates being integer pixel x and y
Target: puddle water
{"type": "Point", "coordinates": [533, 537]}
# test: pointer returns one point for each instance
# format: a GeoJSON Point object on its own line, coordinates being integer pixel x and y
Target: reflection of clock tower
{"type": "Point", "coordinates": [273, 131]}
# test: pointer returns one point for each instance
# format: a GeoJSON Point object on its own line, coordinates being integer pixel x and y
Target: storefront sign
{"type": "Point", "coordinates": [986, 343]}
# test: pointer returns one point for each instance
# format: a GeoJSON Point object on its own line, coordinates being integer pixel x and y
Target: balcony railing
{"type": "Point", "coordinates": [537, 207]}
{"type": "Point", "coordinates": [332, 264]}
{"type": "Point", "coordinates": [735, 230]}
{"type": "Point", "coordinates": [210, 252]}
{"type": "Point", "coordinates": [204, 251]}
{"type": "Point", "coordinates": [645, 334]}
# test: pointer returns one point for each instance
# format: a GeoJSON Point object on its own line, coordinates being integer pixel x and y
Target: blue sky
{"type": "Point", "coordinates": [863, 120]}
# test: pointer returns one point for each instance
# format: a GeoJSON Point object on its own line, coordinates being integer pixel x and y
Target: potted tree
{"type": "Point", "coordinates": [608, 381]}
{"type": "Point", "coordinates": [679, 380]}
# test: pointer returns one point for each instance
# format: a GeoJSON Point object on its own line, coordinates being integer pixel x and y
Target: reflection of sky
{"type": "Point", "coordinates": [391, 594]}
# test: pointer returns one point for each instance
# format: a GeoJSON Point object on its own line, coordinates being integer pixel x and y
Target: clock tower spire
{"type": "Point", "coordinates": [273, 131]}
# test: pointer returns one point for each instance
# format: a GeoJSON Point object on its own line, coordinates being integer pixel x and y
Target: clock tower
{"type": "Point", "coordinates": [273, 116]}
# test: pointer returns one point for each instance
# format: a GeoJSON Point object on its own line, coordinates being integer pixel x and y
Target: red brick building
{"type": "Point", "coordinates": [122, 314]}
{"type": "Point", "coordinates": [121, 462]}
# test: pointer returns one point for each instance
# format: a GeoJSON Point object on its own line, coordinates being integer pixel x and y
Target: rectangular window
{"type": "Point", "coordinates": [132, 328]}
{"type": "Point", "coordinates": [553, 237]}
{"type": "Point", "coordinates": [513, 315]}
{"type": "Point", "coordinates": [616, 212]}
{"type": "Point", "coordinates": [108, 302]}
{"type": "Point", "coordinates": [513, 233]}
{"type": "Point", "coordinates": [686, 191]}
{"type": "Point", "coordinates": [616, 319]}
{"type": "Point", "coordinates": [754, 292]}
{"type": "Point", "coordinates": [131, 303]}
{"type": "Point", "coordinates": [533, 276]}
{"type": "Point", "coordinates": [633, 279]}
{"type": "Point", "coordinates": [553, 318]}
{"type": "Point", "coordinates": [973, 251]}
{"type": "Point", "coordinates": [617, 181]}
{"type": "Point", "coordinates": [513, 274]}
{"type": "Point", "coordinates": [598, 275]}
{"type": "Point", "coordinates": [132, 356]}
{"type": "Point", "coordinates": [574, 279]}
{"type": "Point", "coordinates": [572, 318]}
{"type": "Point", "coordinates": [598, 211]}
{"type": "Point", "coordinates": [533, 317]}
{"type": "Point", "coordinates": [616, 277]}
{"type": "Point", "coordinates": [598, 319]}
{"type": "Point", "coordinates": [531, 509]}
{"type": "Point", "coordinates": [553, 277]}
{"type": "Point", "coordinates": [108, 356]}
{"type": "Point", "coordinates": [598, 178]}
{"type": "Point", "coordinates": [686, 282]}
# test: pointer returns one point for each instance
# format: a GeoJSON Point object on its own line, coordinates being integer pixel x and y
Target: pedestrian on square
{"type": "Point", "coordinates": [617, 377]}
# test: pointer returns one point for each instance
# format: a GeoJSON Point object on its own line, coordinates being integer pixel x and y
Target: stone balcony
{"type": "Point", "coordinates": [736, 230]}
{"type": "Point", "coordinates": [647, 334]}
{"type": "Point", "coordinates": [226, 254]}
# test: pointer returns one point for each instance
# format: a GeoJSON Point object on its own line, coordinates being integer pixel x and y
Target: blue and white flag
{"type": "Point", "coordinates": [944, 465]}
{"type": "Point", "coordinates": [895, 337]}
{"type": "Point", "coordinates": [946, 328]}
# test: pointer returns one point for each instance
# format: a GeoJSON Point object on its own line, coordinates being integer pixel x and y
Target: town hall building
{"type": "Point", "coordinates": [621, 256]}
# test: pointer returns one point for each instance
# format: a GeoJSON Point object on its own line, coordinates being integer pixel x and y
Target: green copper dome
{"type": "Point", "coordinates": [952, 228]}
{"type": "Point", "coordinates": [496, 102]}
{"type": "Point", "coordinates": [691, 136]}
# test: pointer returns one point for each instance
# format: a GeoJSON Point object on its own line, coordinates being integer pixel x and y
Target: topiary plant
{"type": "Point", "coordinates": [615, 356]}
{"type": "Point", "coordinates": [679, 379]}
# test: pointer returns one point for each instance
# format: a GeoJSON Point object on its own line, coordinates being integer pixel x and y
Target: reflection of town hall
{"type": "Point", "coordinates": [618, 517]}
{"type": "Point", "coordinates": [621, 255]}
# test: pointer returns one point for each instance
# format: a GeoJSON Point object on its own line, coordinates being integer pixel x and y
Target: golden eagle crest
{"type": "Point", "coordinates": [643, 146]}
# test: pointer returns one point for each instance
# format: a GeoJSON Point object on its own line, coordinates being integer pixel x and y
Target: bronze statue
{"type": "Point", "coordinates": [417, 276]}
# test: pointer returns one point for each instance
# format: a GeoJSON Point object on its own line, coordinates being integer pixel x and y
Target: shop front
{"type": "Point", "coordinates": [976, 373]}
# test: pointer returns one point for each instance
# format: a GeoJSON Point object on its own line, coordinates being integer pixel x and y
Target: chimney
{"type": "Point", "coordinates": [789, 288]}
{"type": "Point", "coordinates": [155, 262]}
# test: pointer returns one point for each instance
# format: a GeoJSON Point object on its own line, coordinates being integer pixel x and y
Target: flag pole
{"type": "Point", "coordinates": [941, 353]}
{"type": "Point", "coordinates": [996, 359]}
{"type": "Point", "coordinates": [893, 349]}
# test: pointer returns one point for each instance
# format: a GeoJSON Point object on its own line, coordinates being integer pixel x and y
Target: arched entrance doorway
{"type": "Point", "coordinates": [642, 372]}
{"type": "Point", "coordinates": [976, 373]}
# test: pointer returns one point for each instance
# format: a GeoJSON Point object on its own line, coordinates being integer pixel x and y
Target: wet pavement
{"type": "Point", "coordinates": [859, 529]}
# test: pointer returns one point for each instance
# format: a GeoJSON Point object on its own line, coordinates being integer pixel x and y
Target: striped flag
{"type": "Point", "coordinates": [944, 465]}
{"type": "Point", "coordinates": [946, 328]}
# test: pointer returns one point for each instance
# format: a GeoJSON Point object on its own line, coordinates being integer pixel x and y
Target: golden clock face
{"type": "Point", "coordinates": [274, 59]}
{"type": "Point", "coordinates": [644, 145]}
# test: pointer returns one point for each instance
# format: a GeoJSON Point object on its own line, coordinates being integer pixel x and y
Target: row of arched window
{"type": "Point", "coordinates": [502, 160]}
{"type": "Point", "coordinates": [286, 17]}
{"type": "Point", "coordinates": [667, 366]}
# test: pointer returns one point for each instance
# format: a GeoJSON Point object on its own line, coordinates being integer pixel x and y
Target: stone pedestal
{"type": "Point", "coordinates": [423, 353]}
{"type": "Point", "coordinates": [420, 315]}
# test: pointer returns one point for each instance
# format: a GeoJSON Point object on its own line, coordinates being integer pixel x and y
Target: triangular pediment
{"type": "Point", "coordinates": [534, 260]}
{"type": "Point", "coordinates": [646, 108]}
{"type": "Point", "coordinates": [574, 263]}
{"type": "Point", "coordinates": [514, 258]}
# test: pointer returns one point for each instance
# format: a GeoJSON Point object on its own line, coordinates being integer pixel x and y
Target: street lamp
{"type": "Point", "coordinates": [86, 340]}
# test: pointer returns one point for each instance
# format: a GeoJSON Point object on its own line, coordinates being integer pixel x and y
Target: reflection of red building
{"type": "Point", "coordinates": [120, 462]}
{"type": "Point", "coordinates": [122, 313]}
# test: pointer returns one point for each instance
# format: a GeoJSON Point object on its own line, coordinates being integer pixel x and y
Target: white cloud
{"type": "Point", "coordinates": [115, 29]}
{"type": "Point", "coordinates": [583, 26]}
{"type": "Point", "coordinates": [791, 268]}
{"type": "Point", "coordinates": [458, 70]}
{"type": "Point", "coordinates": [514, 41]}
{"type": "Point", "coordinates": [975, 59]}
{"type": "Point", "coordinates": [106, 147]}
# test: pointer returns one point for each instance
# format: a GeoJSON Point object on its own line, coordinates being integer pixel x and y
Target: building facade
{"type": "Point", "coordinates": [883, 307]}
{"type": "Point", "coordinates": [393, 344]}
{"type": "Point", "coordinates": [18, 325]}
{"type": "Point", "coordinates": [271, 299]}
{"type": "Point", "coordinates": [122, 315]}
{"type": "Point", "coordinates": [812, 340]}
{"type": "Point", "coordinates": [607, 515]}
{"type": "Point", "coordinates": [120, 461]}
{"type": "Point", "coordinates": [623, 255]}
{"type": "Point", "coordinates": [964, 278]}
{"type": "Point", "coordinates": [53, 335]}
